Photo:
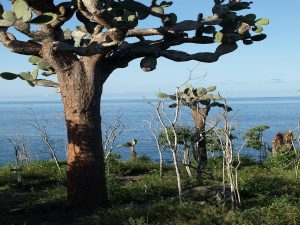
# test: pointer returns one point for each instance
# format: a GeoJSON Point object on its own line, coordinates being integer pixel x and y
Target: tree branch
{"type": "Point", "coordinates": [207, 57]}
{"type": "Point", "coordinates": [90, 50]}
{"type": "Point", "coordinates": [45, 83]}
{"type": "Point", "coordinates": [186, 25]}
{"type": "Point", "coordinates": [20, 47]}
{"type": "Point", "coordinates": [89, 8]}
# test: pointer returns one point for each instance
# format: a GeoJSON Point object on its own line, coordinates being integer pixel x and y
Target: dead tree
{"type": "Point", "coordinates": [111, 132]}
{"type": "Point", "coordinates": [159, 148]}
{"type": "Point", "coordinates": [230, 172]}
{"type": "Point", "coordinates": [169, 128]}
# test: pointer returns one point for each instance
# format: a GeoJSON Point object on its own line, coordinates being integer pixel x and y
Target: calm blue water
{"type": "Point", "coordinates": [16, 118]}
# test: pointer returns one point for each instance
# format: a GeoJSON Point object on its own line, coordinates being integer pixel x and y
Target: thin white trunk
{"type": "Point", "coordinates": [178, 176]}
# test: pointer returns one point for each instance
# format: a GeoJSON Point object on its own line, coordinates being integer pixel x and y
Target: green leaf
{"type": "Point", "coordinates": [134, 6]}
{"type": "Point", "coordinates": [259, 37]}
{"type": "Point", "coordinates": [249, 17]}
{"type": "Point", "coordinates": [188, 86]}
{"type": "Point", "coordinates": [43, 65]}
{"type": "Point", "coordinates": [165, 4]}
{"type": "Point", "coordinates": [263, 21]}
{"type": "Point", "coordinates": [47, 73]}
{"type": "Point", "coordinates": [217, 97]}
{"type": "Point", "coordinates": [8, 76]}
{"type": "Point", "coordinates": [218, 37]}
{"type": "Point", "coordinates": [11, 16]}
{"type": "Point", "coordinates": [132, 18]}
{"type": "Point", "coordinates": [34, 60]}
{"type": "Point", "coordinates": [118, 11]}
{"type": "Point", "coordinates": [201, 91]}
{"type": "Point", "coordinates": [207, 96]}
{"type": "Point", "coordinates": [169, 19]}
{"type": "Point", "coordinates": [26, 76]}
{"type": "Point", "coordinates": [20, 7]}
{"type": "Point", "coordinates": [247, 42]}
{"type": "Point", "coordinates": [174, 105]}
{"type": "Point", "coordinates": [45, 18]}
{"type": "Point", "coordinates": [211, 88]}
{"type": "Point", "coordinates": [77, 42]}
{"type": "Point", "coordinates": [6, 23]}
{"type": "Point", "coordinates": [27, 16]}
{"type": "Point", "coordinates": [162, 95]}
{"type": "Point", "coordinates": [34, 74]}
{"type": "Point", "coordinates": [258, 29]}
{"type": "Point", "coordinates": [172, 97]}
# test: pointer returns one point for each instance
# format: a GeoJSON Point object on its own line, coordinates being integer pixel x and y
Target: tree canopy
{"type": "Point", "coordinates": [107, 25]}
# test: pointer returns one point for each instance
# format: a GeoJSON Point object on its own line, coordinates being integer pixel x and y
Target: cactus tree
{"type": "Point", "coordinates": [103, 41]}
{"type": "Point", "coordinates": [200, 100]}
{"type": "Point", "coordinates": [131, 146]}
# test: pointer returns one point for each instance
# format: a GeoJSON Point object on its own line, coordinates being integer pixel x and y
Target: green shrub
{"type": "Point", "coordinates": [282, 211]}
{"type": "Point", "coordinates": [283, 159]}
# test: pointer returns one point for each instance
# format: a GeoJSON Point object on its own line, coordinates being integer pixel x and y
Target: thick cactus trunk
{"type": "Point", "coordinates": [81, 90]}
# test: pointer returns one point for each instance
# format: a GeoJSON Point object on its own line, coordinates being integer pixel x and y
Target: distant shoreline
{"type": "Point", "coordinates": [16, 100]}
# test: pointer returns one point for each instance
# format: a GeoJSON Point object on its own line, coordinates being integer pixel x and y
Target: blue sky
{"type": "Point", "coordinates": [268, 68]}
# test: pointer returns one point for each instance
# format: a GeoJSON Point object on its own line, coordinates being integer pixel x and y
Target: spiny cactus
{"type": "Point", "coordinates": [192, 96]}
{"type": "Point", "coordinates": [131, 146]}
{"type": "Point", "coordinates": [239, 25]}
{"type": "Point", "coordinates": [27, 76]}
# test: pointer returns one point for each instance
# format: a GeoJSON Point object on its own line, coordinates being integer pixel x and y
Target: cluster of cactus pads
{"type": "Point", "coordinates": [127, 13]}
{"type": "Point", "coordinates": [21, 12]}
{"type": "Point", "coordinates": [31, 76]}
{"type": "Point", "coordinates": [131, 11]}
{"type": "Point", "coordinates": [192, 97]}
{"type": "Point", "coordinates": [242, 26]}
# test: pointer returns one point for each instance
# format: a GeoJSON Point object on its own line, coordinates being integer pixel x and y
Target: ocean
{"type": "Point", "coordinates": [18, 117]}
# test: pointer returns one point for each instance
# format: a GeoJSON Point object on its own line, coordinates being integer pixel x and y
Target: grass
{"type": "Point", "coordinates": [138, 196]}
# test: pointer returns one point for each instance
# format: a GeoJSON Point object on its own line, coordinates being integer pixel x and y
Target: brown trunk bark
{"type": "Point", "coordinates": [200, 153]}
{"type": "Point", "coordinates": [81, 89]}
